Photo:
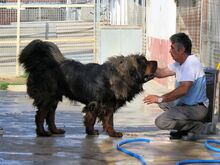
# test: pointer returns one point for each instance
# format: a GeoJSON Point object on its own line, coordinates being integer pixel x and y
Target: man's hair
{"type": "Point", "coordinates": [182, 40]}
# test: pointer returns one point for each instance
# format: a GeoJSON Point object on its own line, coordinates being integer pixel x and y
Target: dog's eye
{"type": "Point", "coordinates": [132, 72]}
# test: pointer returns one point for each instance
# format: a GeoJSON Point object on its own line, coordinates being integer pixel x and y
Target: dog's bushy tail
{"type": "Point", "coordinates": [39, 55]}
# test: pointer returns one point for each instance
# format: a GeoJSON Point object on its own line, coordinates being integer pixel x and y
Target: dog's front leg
{"type": "Point", "coordinates": [39, 121]}
{"type": "Point", "coordinates": [50, 119]}
{"type": "Point", "coordinates": [108, 125]}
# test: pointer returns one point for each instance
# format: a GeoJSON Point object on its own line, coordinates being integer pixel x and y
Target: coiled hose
{"type": "Point", "coordinates": [207, 145]}
{"type": "Point", "coordinates": [132, 153]}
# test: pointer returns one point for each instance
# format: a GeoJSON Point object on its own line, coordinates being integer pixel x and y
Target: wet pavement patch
{"type": "Point", "coordinates": [19, 144]}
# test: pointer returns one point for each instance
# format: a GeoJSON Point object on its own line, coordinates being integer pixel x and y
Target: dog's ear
{"type": "Point", "coordinates": [141, 63]}
{"type": "Point", "coordinates": [141, 60]}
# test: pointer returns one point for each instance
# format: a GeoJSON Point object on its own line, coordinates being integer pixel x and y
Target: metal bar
{"type": "Point", "coordinates": [47, 5]}
{"type": "Point", "coordinates": [201, 30]}
{"type": "Point", "coordinates": [18, 35]}
{"type": "Point", "coordinates": [7, 6]}
{"type": "Point", "coordinates": [97, 31]}
{"type": "Point", "coordinates": [57, 5]}
{"type": "Point", "coordinates": [52, 40]}
{"type": "Point", "coordinates": [143, 8]}
{"type": "Point", "coordinates": [94, 32]}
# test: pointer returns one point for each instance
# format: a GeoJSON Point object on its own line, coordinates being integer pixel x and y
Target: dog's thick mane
{"type": "Point", "coordinates": [123, 83]}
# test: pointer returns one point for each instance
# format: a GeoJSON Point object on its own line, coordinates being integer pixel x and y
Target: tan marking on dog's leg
{"type": "Point", "coordinates": [108, 125]}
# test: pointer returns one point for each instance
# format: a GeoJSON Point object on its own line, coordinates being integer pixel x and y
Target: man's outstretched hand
{"type": "Point", "coordinates": [150, 99]}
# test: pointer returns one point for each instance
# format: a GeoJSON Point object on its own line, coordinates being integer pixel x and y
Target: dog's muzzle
{"type": "Point", "coordinates": [148, 77]}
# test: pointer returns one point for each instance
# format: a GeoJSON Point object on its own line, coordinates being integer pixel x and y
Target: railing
{"type": "Point", "coordinates": [28, 21]}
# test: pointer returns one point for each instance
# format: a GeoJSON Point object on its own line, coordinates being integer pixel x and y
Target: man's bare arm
{"type": "Point", "coordinates": [171, 96]}
{"type": "Point", "coordinates": [164, 72]}
{"type": "Point", "coordinates": [178, 92]}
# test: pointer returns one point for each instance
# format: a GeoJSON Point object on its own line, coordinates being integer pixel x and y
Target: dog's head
{"type": "Point", "coordinates": [134, 67]}
{"type": "Point", "coordinates": [142, 70]}
{"type": "Point", "coordinates": [147, 68]}
{"type": "Point", "coordinates": [129, 73]}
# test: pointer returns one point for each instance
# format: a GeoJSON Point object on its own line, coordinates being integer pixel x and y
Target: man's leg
{"type": "Point", "coordinates": [182, 119]}
{"type": "Point", "coordinates": [174, 134]}
{"type": "Point", "coordinates": [166, 105]}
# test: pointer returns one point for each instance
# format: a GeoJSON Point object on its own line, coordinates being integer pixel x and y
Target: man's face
{"type": "Point", "coordinates": [175, 52]}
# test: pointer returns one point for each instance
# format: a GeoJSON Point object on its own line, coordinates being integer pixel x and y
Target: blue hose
{"type": "Point", "coordinates": [207, 145]}
{"type": "Point", "coordinates": [131, 153]}
{"type": "Point", "coordinates": [196, 161]}
{"type": "Point", "coordinates": [211, 147]}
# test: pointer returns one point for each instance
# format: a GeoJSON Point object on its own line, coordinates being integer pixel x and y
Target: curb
{"type": "Point", "coordinates": [17, 88]}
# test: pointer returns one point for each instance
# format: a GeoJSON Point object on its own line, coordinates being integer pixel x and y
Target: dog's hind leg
{"type": "Point", "coordinates": [39, 121]}
{"type": "Point", "coordinates": [50, 119]}
{"type": "Point", "coordinates": [89, 122]}
{"type": "Point", "coordinates": [108, 125]}
{"type": "Point", "coordinates": [90, 119]}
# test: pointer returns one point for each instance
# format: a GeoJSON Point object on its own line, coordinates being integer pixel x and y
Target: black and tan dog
{"type": "Point", "coordinates": [102, 88]}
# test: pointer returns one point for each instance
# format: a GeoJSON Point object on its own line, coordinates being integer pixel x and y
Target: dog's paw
{"type": "Point", "coordinates": [58, 131]}
{"type": "Point", "coordinates": [43, 133]}
{"type": "Point", "coordinates": [94, 132]}
{"type": "Point", "coordinates": [115, 134]}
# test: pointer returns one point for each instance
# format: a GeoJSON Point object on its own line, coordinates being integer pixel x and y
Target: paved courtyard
{"type": "Point", "coordinates": [19, 144]}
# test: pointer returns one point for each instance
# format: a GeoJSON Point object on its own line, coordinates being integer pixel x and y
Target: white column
{"type": "Point", "coordinates": [68, 12]}
{"type": "Point", "coordinates": [122, 12]}
{"type": "Point", "coordinates": [118, 11]}
{"type": "Point", "coordinates": [125, 12]}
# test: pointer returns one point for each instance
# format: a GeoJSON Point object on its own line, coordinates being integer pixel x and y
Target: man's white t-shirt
{"type": "Point", "coordinates": [191, 70]}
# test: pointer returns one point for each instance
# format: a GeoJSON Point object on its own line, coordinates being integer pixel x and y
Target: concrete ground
{"type": "Point", "coordinates": [20, 146]}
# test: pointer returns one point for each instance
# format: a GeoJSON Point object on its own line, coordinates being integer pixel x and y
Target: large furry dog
{"type": "Point", "coordinates": [102, 88]}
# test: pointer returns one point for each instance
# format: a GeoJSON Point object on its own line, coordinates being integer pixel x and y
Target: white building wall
{"type": "Point", "coordinates": [160, 25]}
{"type": "Point", "coordinates": [161, 18]}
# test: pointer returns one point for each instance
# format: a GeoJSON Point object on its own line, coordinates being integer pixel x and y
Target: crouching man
{"type": "Point", "coordinates": [185, 107]}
